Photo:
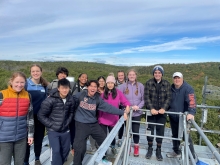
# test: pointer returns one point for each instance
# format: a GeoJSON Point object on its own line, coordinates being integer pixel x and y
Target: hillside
{"type": "Point", "coordinates": [194, 74]}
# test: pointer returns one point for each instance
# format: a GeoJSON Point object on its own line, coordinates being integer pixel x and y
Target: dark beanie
{"type": "Point", "coordinates": [158, 67]}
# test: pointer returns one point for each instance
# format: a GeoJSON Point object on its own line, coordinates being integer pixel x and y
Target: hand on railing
{"type": "Point", "coordinates": [161, 111]}
{"type": "Point", "coordinates": [135, 107]}
{"type": "Point", "coordinates": [125, 116]}
{"type": "Point", "coordinates": [127, 109]}
{"type": "Point", "coordinates": [154, 112]}
{"type": "Point", "coordinates": [190, 117]}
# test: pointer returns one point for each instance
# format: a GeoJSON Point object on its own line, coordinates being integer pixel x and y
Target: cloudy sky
{"type": "Point", "coordinates": [125, 32]}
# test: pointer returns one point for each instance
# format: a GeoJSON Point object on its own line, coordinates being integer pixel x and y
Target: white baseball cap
{"type": "Point", "coordinates": [178, 74]}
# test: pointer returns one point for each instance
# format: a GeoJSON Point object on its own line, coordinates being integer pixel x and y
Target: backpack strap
{"type": "Point", "coordinates": [1, 98]}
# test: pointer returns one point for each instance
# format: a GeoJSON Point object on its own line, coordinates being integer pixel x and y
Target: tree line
{"type": "Point", "coordinates": [194, 74]}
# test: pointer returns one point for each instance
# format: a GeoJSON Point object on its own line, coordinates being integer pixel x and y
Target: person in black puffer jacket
{"type": "Point", "coordinates": [56, 113]}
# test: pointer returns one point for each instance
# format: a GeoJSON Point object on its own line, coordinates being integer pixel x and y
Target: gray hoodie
{"type": "Point", "coordinates": [86, 112]}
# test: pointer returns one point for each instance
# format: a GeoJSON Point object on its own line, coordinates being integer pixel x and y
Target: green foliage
{"type": "Point", "coordinates": [194, 74]}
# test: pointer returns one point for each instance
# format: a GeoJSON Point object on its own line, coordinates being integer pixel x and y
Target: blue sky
{"type": "Point", "coordinates": [125, 32]}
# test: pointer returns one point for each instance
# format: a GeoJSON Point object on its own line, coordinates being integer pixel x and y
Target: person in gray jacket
{"type": "Point", "coordinates": [183, 100]}
{"type": "Point", "coordinates": [87, 104]}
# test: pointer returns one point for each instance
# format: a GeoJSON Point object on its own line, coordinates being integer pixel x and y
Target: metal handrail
{"type": "Point", "coordinates": [208, 143]}
{"type": "Point", "coordinates": [97, 157]}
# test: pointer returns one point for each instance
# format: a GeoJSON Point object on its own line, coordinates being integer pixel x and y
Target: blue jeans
{"type": "Point", "coordinates": [16, 149]}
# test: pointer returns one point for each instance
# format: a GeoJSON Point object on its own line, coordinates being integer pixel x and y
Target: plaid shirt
{"type": "Point", "coordinates": [155, 99]}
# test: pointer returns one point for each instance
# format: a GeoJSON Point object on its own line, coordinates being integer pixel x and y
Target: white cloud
{"type": "Point", "coordinates": [77, 29]}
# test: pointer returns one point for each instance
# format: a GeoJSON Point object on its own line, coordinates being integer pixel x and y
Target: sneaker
{"type": "Point", "coordinates": [37, 162]}
{"type": "Point", "coordinates": [136, 150]}
{"type": "Point", "coordinates": [91, 150]}
{"type": "Point", "coordinates": [149, 153]}
{"type": "Point", "coordinates": [114, 151]}
{"type": "Point", "coordinates": [119, 143]}
{"type": "Point", "coordinates": [158, 154]}
{"type": "Point", "coordinates": [72, 152]}
{"type": "Point", "coordinates": [105, 162]}
{"type": "Point", "coordinates": [173, 155]}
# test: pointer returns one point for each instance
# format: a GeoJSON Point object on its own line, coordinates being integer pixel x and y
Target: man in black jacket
{"type": "Point", "coordinates": [183, 99]}
{"type": "Point", "coordinates": [56, 113]}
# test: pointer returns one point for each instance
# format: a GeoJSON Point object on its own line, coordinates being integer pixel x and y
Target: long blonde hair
{"type": "Point", "coordinates": [127, 90]}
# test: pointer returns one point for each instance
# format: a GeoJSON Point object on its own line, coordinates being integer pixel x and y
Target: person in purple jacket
{"type": "Point", "coordinates": [114, 97]}
{"type": "Point", "coordinates": [134, 92]}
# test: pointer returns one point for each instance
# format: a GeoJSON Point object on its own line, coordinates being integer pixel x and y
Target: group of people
{"type": "Point", "coordinates": [72, 112]}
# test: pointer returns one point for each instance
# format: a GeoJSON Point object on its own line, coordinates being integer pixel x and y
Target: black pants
{"type": "Point", "coordinates": [83, 130]}
{"type": "Point", "coordinates": [39, 131]}
{"type": "Point", "coordinates": [72, 132]}
{"type": "Point", "coordinates": [160, 118]}
{"type": "Point", "coordinates": [135, 128]}
{"type": "Point", "coordinates": [176, 143]}
{"type": "Point", "coordinates": [106, 129]}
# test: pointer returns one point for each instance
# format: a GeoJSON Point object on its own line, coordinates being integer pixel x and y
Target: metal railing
{"type": "Point", "coordinates": [123, 154]}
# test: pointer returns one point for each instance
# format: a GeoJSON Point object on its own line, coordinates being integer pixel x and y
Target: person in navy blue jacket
{"type": "Point", "coordinates": [36, 86]}
{"type": "Point", "coordinates": [183, 100]}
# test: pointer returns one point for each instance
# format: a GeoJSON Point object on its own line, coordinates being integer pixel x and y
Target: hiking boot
{"type": "Point", "coordinates": [158, 154]}
{"type": "Point", "coordinates": [37, 162]}
{"type": "Point", "coordinates": [114, 151]}
{"type": "Point", "coordinates": [149, 153]}
{"type": "Point", "coordinates": [119, 143]}
{"type": "Point", "coordinates": [173, 155]}
{"type": "Point", "coordinates": [136, 150]}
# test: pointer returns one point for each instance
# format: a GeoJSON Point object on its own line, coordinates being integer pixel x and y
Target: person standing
{"type": "Point", "coordinates": [157, 97]}
{"type": "Point", "coordinates": [61, 73]}
{"type": "Point", "coordinates": [134, 92]}
{"type": "Point", "coordinates": [56, 113]}
{"type": "Point", "coordinates": [16, 120]}
{"type": "Point", "coordinates": [183, 100]}
{"type": "Point", "coordinates": [101, 88]}
{"type": "Point", "coordinates": [80, 85]}
{"type": "Point", "coordinates": [114, 97]}
{"type": "Point", "coordinates": [36, 85]}
{"type": "Point", "coordinates": [87, 104]}
{"type": "Point", "coordinates": [121, 79]}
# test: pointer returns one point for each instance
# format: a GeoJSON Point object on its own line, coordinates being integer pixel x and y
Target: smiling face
{"type": "Point", "coordinates": [61, 75]}
{"type": "Point", "coordinates": [92, 89]}
{"type": "Point", "coordinates": [177, 81]}
{"type": "Point", "coordinates": [158, 75]}
{"type": "Point", "coordinates": [121, 77]}
{"type": "Point", "coordinates": [36, 73]}
{"type": "Point", "coordinates": [132, 76]}
{"type": "Point", "coordinates": [101, 83]}
{"type": "Point", "coordinates": [83, 79]}
{"type": "Point", "coordinates": [18, 83]}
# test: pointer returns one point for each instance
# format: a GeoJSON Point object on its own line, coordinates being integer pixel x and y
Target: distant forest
{"type": "Point", "coordinates": [194, 74]}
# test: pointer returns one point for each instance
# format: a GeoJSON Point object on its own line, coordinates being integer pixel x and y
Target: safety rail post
{"type": "Point", "coordinates": [186, 139]}
{"type": "Point", "coordinates": [97, 157]}
{"type": "Point", "coordinates": [206, 140]}
{"type": "Point", "coordinates": [128, 139]}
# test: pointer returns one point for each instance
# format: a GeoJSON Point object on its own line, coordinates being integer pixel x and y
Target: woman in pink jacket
{"type": "Point", "coordinates": [114, 97]}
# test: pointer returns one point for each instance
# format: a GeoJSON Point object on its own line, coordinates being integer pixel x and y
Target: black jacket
{"type": "Point", "coordinates": [54, 114]}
